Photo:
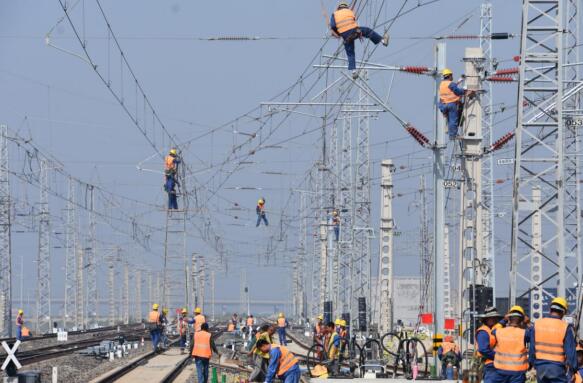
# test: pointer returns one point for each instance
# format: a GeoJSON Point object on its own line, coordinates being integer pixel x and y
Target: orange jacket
{"type": "Point", "coordinates": [154, 317]}
{"type": "Point", "coordinates": [492, 341]}
{"type": "Point", "coordinates": [286, 361]}
{"type": "Point", "coordinates": [446, 95]}
{"type": "Point", "coordinates": [202, 345]}
{"type": "Point", "coordinates": [199, 319]}
{"type": "Point", "coordinates": [511, 353]}
{"type": "Point", "coordinates": [345, 20]}
{"type": "Point", "coordinates": [549, 335]}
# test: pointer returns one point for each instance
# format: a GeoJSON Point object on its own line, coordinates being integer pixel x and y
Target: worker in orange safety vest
{"type": "Point", "coordinates": [511, 359]}
{"type": "Point", "coordinates": [154, 325]}
{"type": "Point", "coordinates": [282, 363]}
{"type": "Point", "coordinates": [281, 327]}
{"type": "Point", "coordinates": [183, 329]}
{"type": "Point", "coordinates": [202, 351]}
{"type": "Point", "coordinates": [486, 342]}
{"type": "Point", "coordinates": [448, 353]}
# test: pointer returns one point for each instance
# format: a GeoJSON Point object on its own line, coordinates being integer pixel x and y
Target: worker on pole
{"type": "Point", "coordinates": [486, 342]}
{"type": "Point", "coordinates": [511, 358]}
{"type": "Point", "coordinates": [171, 163]}
{"type": "Point", "coordinates": [343, 25]}
{"type": "Point", "coordinates": [260, 210]}
{"type": "Point", "coordinates": [202, 351]}
{"type": "Point", "coordinates": [154, 325]}
{"type": "Point", "coordinates": [170, 189]}
{"type": "Point", "coordinates": [450, 102]}
{"type": "Point", "coordinates": [282, 363]}
{"type": "Point", "coordinates": [336, 224]}
{"type": "Point", "coordinates": [281, 327]}
{"type": "Point", "coordinates": [183, 329]}
{"type": "Point", "coordinates": [19, 324]}
{"type": "Point", "coordinates": [552, 347]}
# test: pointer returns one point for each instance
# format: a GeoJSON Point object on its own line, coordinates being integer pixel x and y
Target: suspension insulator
{"type": "Point", "coordinates": [502, 141]}
{"type": "Point", "coordinates": [415, 69]}
{"type": "Point", "coordinates": [417, 135]}
{"type": "Point", "coordinates": [507, 71]}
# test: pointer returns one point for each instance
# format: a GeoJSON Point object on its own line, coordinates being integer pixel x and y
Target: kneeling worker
{"type": "Point", "coordinates": [202, 351]}
{"type": "Point", "coordinates": [510, 361]}
{"type": "Point", "coordinates": [282, 363]}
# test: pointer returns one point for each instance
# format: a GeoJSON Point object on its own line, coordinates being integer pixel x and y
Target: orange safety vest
{"type": "Point", "coordinates": [345, 20]}
{"type": "Point", "coordinates": [549, 336]}
{"type": "Point", "coordinates": [511, 354]}
{"type": "Point", "coordinates": [249, 321]}
{"type": "Point", "coordinates": [202, 345]}
{"type": "Point", "coordinates": [169, 162]}
{"type": "Point", "coordinates": [182, 326]}
{"type": "Point", "coordinates": [154, 317]}
{"type": "Point", "coordinates": [492, 341]}
{"type": "Point", "coordinates": [281, 322]}
{"type": "Point", "coordinates": [286, 361]}
{"type": "Point", "coordinates": [25, 331]}
{"type": "Point", "coordinates": [199, 319]}
{"type": "Point", "coordinates": [446, 95]}
{"type": "Point", "coordinates": [329, 347]}
{"type": "Point", "coordinates": [449, 346]}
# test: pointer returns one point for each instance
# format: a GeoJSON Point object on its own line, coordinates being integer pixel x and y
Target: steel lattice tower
{"type": "Point", "coordinates": [70, 306]}
{"type": "Point", "coordinates": [488, 250]}
{"type": "Point", "coordinates": [361, 267]}
{"type": "Point", "coordinates": [43, 287]}
{"type": "Point", "coordinates": [91, 264]}
{"type": "Point", "coordinates": [111, 288]}
{"type": "Point", "coordinates": [138, 283]}
{"type": "Point", "coordinates": [5, 236]}
{"type": "Point", "coordinates": [126, 294]}
{"type": "Point", "coordinates": [80, 313]}
{"type": "Point", "coordinates": [386, 249]}
{"type": "Point", "coordinates": [539, 156]}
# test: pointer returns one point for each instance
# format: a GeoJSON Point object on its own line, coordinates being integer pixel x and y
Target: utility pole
{"type": "Point", "coordinates": [91, 259]}
{"type": "Point", "coordinates": [201, 282]}
{"type": "Point", "coordinates": [111, 286]}
{"type": "Point", "coordinates": [194, 278]}
{"type": "Point", "coordinates": [539, 152]}
{"type": "Point", "coordinates": [488, 250]}
{"type": "Point", "coordinates": [474, 266]}
{"type": "Point", "coordinates": [439, 195]}
{"type": "Point", "coordinates": [323, 262]}
{"type": "Point", "coordinates": [69, 309]}
{"type": "Point", "coordinates": [213, 294]}
{"type": "Point", "coordinates": [242, 292]}
{"type": "Point", "coordinates": [126, 294]}
{"type": "Point", "coordinates": [387, 225]}
{"type": "Point", "coordinates": [80, 313]}
{"type": "Point", "coordinates": [426, 264]}
{"type": "Point", "coordinates": [5, 237]}
{"type": "Point", "coordinates": [43, 293]}
{"type": "Point", "coordinates": [447, 304]}
{"type": "Point", "coordinates": [138, 283]}
{"type": "Point", "coordinates": [346, 211]}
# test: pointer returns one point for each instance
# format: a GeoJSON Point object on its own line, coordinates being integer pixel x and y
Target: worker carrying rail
{"type": "Point", "coordinates": [450, 95]}
{"type": "Point", "coordinates": [282, 363]}
{"type": "Point", "coordinates": [511, 358]}
{"type": "Point", "coordinates": [343, 25]}
{"type": "Point", "coordinates": [552, 348]}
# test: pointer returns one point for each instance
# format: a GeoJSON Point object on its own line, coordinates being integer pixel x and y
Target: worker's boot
{"type": "Point", "coordinates": [354, 74]}
{"type": "Point", "coordinates": [385, 39]}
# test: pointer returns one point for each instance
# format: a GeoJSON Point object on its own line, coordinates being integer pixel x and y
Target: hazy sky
{"type": "Point", "coordinates": [195, 85]}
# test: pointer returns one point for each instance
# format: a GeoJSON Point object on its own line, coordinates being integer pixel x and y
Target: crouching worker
{"type": "Point", "coordinates": [282, 363]}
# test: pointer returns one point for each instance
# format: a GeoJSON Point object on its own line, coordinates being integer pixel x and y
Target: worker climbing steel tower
{"type": "Point", "coordinates": [260, 210]}
{"type": "Point", "coordinates": [171, 178]}
{"type": "Point", "coordinates": [343, 24]}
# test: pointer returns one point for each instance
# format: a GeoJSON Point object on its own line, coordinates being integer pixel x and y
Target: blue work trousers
{"type": "Point", "coordinates": [261, 217]}
{"type": "Point", "coordinates": [504, 377]}
{"type": "Point", "coordinates": [155, 335]}
{"type": "Point", "coordinates": [349, 46]}
{"type": "Point", "coordinates": [451, 111]}
{"type": "Point", "coordinates": [19, 333]}
{"type": "Point", "coordinates": [337, 232]}
{"type": "Point", "coordinates": [551, 373]}
{"type": "Point", "coordinates": [291, 376]}
{"type": "Point", "coordinates": [172, 201]}
{"type": "Point", "coordinates": [182, 341]}
{"type": "Point", "coordinates": [489, 374]}
{"type": "Point", "coordinates": [202, 369]}
{"type": "Point", "coordinates": [281, 334]}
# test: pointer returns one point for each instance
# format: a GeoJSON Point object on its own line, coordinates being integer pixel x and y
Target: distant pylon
{"type": "Point", "coordinates": [91, 264]}
{"type": "Point", "coordinates": [5, 234]}
{"type": "Point", "coordinates": [70, 305]}
{"type": "Point", "coordinates": [43, 287]}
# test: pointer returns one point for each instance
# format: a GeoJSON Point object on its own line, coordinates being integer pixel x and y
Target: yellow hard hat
{"type": "Point", "coordinates": [184, 311]}
{"type": "Point", "coordinates": [343, 4]}
{"type": "Point", "coordinates": [334, 213]}
{"type": "Point", "coordinates": [446, 72]}
{"type": "Point", "coordinates": [155, 306]}
{"type": "Point", "coordinates": [280, 315]}
{"type": "Point", "coordinates": [261, 201]}
{"type": "Point", "coordinates": [321, 317]}
{"type": "Point", "coordinates": [560, 304]}
{"type": "Point", "coordinates": [516, 311]}
{"type": "Point", "coordinates": [20, 311]}
{"type": "Point", "coordinates": [165, 310]}
{"type": "Point", "coordinates": [337, 322]}
{"type": "Point", "coordinates": [173, 151]}
{"type": "Point", "coordinates": [342, 323]}
{"type": "Point", "coordinates": [197, 310]}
